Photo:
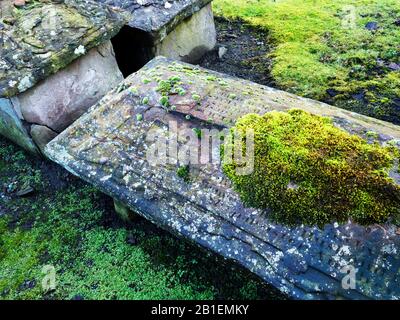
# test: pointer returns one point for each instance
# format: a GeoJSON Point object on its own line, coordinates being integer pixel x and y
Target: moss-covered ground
{"type": "Point", "coordinates": [344, 52]}
{"type": "Point", "coordinates": [48, 217]}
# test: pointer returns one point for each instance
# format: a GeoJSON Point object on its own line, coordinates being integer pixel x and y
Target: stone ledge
{"type": "Point", "coordinates": [107, 147]}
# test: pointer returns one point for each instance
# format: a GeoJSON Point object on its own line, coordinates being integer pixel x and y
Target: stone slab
{"type": "Point", "coordinates": [191, 39]}
{"type": "Point", "coordinates": [65, 96]}
{"type": "Point", "coordinates": [108, 146]}
{"type": "Point", "coordinates": [12, 127]}
{"type": "Point", "coordinates": [42, 135]}
{"type": "Point", "coordinates": [158, 17]}
{"type": "Point", "coordinates": [44, 37]}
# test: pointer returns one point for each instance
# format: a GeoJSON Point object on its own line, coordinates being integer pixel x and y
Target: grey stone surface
{"type": "Point", "coordinates": [43, 38]}
{"type": "Point", "coordinates": [42, 135]}
{"type": "Point", "coordinates": [12, 127]}
{"type": "Point", "coordinates": [108, 146]}
{"type": "Point", "coordinates": [191, 39]}
{"type": "Point", "coordinates": [180, 29]}
{"type": "Point", "coordinates": [158, 17]}
{"type": "Point", "coordinates": [66, 95]}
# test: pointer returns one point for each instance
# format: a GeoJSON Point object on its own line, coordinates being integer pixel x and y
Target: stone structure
{"type": "Point", "coordinates": [56, 58]}
{"type": "Point", "coordinates": [178, 29]}
{"type": "Point", "coordinates": [56, 61]}
{"type": "Point", "coordinates": [108, 147]}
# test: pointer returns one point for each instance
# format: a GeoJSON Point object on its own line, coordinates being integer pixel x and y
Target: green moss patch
{"type": "Point", "coordinates": [308, 171]}
{"type": "Point", "coordinates": [184, 173]}
{"type": "Point", "coordinates": [69, 225]}
{"type": "Point", "coordinates": [324, 50]}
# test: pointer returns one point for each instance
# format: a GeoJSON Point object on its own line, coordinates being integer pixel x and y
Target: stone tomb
{"type": "Point", "coordinates": [108, 147]}
{"type": "Point", "coordinates": [56, 60]}
{"type": "Point", "coordinates": [178, 29]}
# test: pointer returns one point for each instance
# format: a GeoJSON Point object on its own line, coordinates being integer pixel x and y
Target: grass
{"type": "Point", "coordinates": [69, 225]}
{"type": "Point", "coordinates": [324, 51]}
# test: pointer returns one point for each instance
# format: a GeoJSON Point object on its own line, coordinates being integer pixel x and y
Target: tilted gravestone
{"type": "Point", "coordinates": [110, 146]}
{"type": "Point", "coordinates": [178, 29]}
{"type": "Point", "coordinates": [56, 61]}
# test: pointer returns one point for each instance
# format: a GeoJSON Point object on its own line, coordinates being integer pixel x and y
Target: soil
{"type": "Point", "coordinates": [246, 50]}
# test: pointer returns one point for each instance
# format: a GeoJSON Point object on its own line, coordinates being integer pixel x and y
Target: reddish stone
{"type": "Point", "coordinates": [19, 3]}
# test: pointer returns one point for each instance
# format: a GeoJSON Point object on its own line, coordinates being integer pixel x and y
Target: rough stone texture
{"type": "Point", "coordinates": [6, 7]}
{"type": "Point", "coordinates": [42, 135]}
{"type": "Point", "coordinates": [107, 147]}
{"type": "Point", "coordinates": [66, 95]}
{"type": "Point", "coordinates": [41, 39]}
{"type": "Point", "coordinates": [12, 127]}
{"type": "Point", "coordinates": [191, 39]}
{"type": "Point", "coordinates": [181, 29]}
{"type": "Point", "coordinates": [158, 17]}
{"type": "Point", "coordinates": [45, 37]}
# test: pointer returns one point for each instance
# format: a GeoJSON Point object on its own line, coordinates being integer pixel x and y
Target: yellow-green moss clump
{"type": "Point", "coordinates": [308, 171]}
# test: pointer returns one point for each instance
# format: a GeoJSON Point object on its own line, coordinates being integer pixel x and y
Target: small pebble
{"type": "Point", "coordinates": [371, 26]}
{"type": "Point", "coordinates": [222, 51]}
{"type": "Point", "coordinates": [394, 66]}
{"type": "Point", "coordinates": [19, 3]}
{"type": "Point", "coordinates": [25, 192]}
{"type": "Point", "coordinates": [332, 92]}
{"type": "Point", "coordinates": [132, 240]}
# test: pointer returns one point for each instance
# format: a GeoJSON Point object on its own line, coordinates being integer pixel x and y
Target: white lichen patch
{"type": "Point", "coordinates": [80, 50]}
{"type": "Point", "coordinates": [389, 249]}
{"type": "Point", "coordinates": [12, 83]}
{"type": "Point", "coordinates": [105, 178]}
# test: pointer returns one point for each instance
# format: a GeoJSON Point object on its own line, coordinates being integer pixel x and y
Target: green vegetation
{"type": "Point", "coordinates": [145, 100]}
{"type": "Point", "coordinates": [308, 171]}
{"type": "Point", "coordinates": [183, 172]}
{"type": "Point", "coordinates": [69, 225]}
{"type": "Point", "coordinates": [324, 50]}
{"type": "Point", "coordinates": [197, 132]}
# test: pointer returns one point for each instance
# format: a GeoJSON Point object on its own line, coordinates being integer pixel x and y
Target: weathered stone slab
{"type": "Point", "coordinates": [11, 126]}
{"type": "Point", "coordinates": [66, 95]}
{"type": "Point", "coordinates": [56, 60]}
{"type": "Point", "coordinates": [180, 29]}
{"type": "Point", "coordinates": [191, 39]}
{"type": "Point", "coordinates": [43, 38]}
{"type": "Point", "coordinates": [42, 135]}
{"type": "Point", "coordinates": [158, 17]}
{"type": "Point", "coordinates": [108, 147]}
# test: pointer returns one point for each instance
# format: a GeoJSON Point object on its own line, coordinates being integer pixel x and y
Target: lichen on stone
{"type": "Point", "coordinates": [44, 37]}
{"type": "Point", "coordinates": [308, 171]}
